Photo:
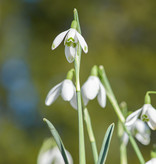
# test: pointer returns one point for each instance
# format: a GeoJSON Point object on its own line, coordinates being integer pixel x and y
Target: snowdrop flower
{"type": "Point", "coordinates": [148, 114]}
{"type": "Point", "coordinates": [152, 161]}
{"type": "Point", "coordinates": [140, 131]}
{"type": "Point", "coordinates": [70, 42]}
{"type": "Point", "coordinates": [66, 89]}
{"type": "Point", "coordinates": [92, 88]}
{"type": "Point", "coordinates": [53, 156]}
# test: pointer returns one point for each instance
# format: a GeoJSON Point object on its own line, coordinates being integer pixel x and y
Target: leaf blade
{"type": "Point", "coordinates": [57, 139]}
{"type": "Point", "coordinates": [105, 144]}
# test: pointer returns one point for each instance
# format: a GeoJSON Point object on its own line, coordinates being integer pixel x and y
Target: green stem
{"type": "Point", "coordinates": [151, 92]}
{"type": "Point", "coordinates": [116, 107]}
{"type": "Point", "coordinates": [147, 96]}
{"type": "Point", "coordinates": [123, 153]}
{"type": "Point", "coordinates": [82, 158]}
{"type": "Point", "coordinates": [91, 135]}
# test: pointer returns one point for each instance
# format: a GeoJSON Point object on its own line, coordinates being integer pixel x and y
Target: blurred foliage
{"type": "Point", "coordinates": [121, 35]}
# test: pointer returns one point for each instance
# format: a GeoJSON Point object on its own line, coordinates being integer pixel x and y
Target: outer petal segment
{"type": "Point", "coordinates": [133, 117]}
{"type": "Point", "coordinates": [102, 95]}
{"type": "Point", "coordinates": [59, 38]}
{"type": "Point", "coordinates": [67, 91]}
{"type": "Point", "coordinates": [82, 42]}
{"type": "Point", "coordinates": [73, 101]}
{"type": "Point", "coordinates": [151, 114]}
{"type": "Point", "coordinates": [90, 88]}
{"type": "Point", "coordinates": [53, 94]}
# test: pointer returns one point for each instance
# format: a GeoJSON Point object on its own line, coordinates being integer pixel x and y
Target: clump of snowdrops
{"type": "Point", "coordinates": [137, 125]}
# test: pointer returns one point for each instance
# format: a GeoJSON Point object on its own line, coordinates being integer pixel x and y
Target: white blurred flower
{"type": "Point", "coordinates": [92, 88]}
{"type": "Point", "coordinates": [70, 42]}
{"type": "Point", "coordinates": [152, 161]}
{"type": "Point", "coordinates": [66, 89]}
{"type": "Point", "coordinates": [53, 156]}
{"type": "Point", "coordinates": [140, 131]}
{"type": "Point", "coordinates": [148, 114]}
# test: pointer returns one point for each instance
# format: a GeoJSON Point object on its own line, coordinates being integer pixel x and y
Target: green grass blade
{"type": "Point", "coordinates": [105, 145]}
{"type": "Point", "coordinates": [57, 140]}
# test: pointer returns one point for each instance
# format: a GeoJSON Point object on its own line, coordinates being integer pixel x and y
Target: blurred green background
{"type": "Point", "coordinates": [121, 35]}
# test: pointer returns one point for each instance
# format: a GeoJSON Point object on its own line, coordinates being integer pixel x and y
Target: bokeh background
{"type": "Point", "coordinates": [121, 35]}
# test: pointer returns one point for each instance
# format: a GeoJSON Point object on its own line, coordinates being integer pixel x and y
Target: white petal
{"type": "Point", "coordinates": [152, 161]}
{"type": "Point", "coordinates": [71, 34]}
{"type": "Point", "coordinates": [142, 132]}
{"type": "Point", "coordinates": [46, 157]}
{"type": "Point", "coordinates": [145, 108]}
{"type": "Point", "coordinates": [70, 53]}
{"type": "Point", "coordinates": [58, 39]}
{"type": "Point", "coordinates": [144, 139]}
{"type": "Point", "coordinates": [58, 159]}
{"type": "Point", "coordinates": [130, 120]}
{"type": "Point", "coordinates": [53, 94]}
{"type": "Point", "coordinates": [73, 101]}
{"type": "Point", "coordinates": [151, 114]}
{"type": "Point", "coordinates": [102, 95]}
{"type": "Point", "coordinates": [85, 99]}
{"type": "Point", "coordinates": [90, 88]}
{"type": "Point", "coordinates": [67, 91]}
{"type": "Point", "coordinates": [53, 156]}
{"type": "Point", "coordinates": [82, 42]}
{"type": "Point", "coordinates": [125, 138]}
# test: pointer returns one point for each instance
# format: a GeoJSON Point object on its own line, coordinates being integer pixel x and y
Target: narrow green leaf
{"type": "Point", "coordinates": [57, 140]}
{"type": "Point", "coordinates": [105, 144]}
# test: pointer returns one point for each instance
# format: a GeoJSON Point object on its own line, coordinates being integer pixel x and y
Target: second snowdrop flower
{"type": "Point", "coordinates": [66, 89]}
{"type": "Point", "coordinates": [53, 156]}
{"type": "Point", "coordinates": [140, 131]}
{"type": "Point", "coordinates": [72, 37]}
{"type": "Point", "coordinates": [148, 114]}
{"type": "Point", "coordinates": [92, 88]}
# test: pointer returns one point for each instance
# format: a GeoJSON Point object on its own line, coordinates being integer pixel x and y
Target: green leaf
{"type": "Point", "coordinates": [57, 140]}
{"type": "Point", "coordinates": [105, 145]}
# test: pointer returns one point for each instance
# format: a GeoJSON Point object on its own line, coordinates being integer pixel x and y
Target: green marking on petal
{"type": "Point", "coordinates": [85, 48]}
{"type": "Point", "coordinates": [71, 39]}
{"type": "Point", "coordinates": [145, 118]}
{"type": "Point", "coordinates": [69, 44]}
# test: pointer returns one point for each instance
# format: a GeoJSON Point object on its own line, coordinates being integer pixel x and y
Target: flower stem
{"type": "Point", "coordinates": [82, 158]}
{"type": "Point", "coordinates": [116, 107]}
{"type": "Point", "coordinates": [147, 96]}
{"type": "Point", "coordinates": [123, 153]}
{"type": "Point", "coordinates": [91, 135]}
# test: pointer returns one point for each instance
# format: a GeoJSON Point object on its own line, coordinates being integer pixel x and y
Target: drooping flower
{"type": "Point", "coordinates": [148, 114]}
{"type": "Point", "coordinates": [140, 131]}
{"type": "Point", "coordinates": [152, 161]}
{"type": "Point", "coordinates": [66, 89]}
{"type": "Point", "coordinates": [72, 37]}
{"type": "Point", "coordinates": [53, 156]}
{"type": "Point", "coordinates": [92, 88]}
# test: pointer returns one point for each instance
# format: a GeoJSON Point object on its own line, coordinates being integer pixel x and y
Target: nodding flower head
{"type": "Point", "coordinates": [140, 131]}
{"type": "Point", "coordinates": [66, 89]}
{"type": "Point", "coordinates": [54, 156]}
{"type": "Point", "coordinates": [92, 88]}
{"type": "Point", "coordinates": [72, 37]}
{"type": "Point", "coordinates": [148, 114]}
